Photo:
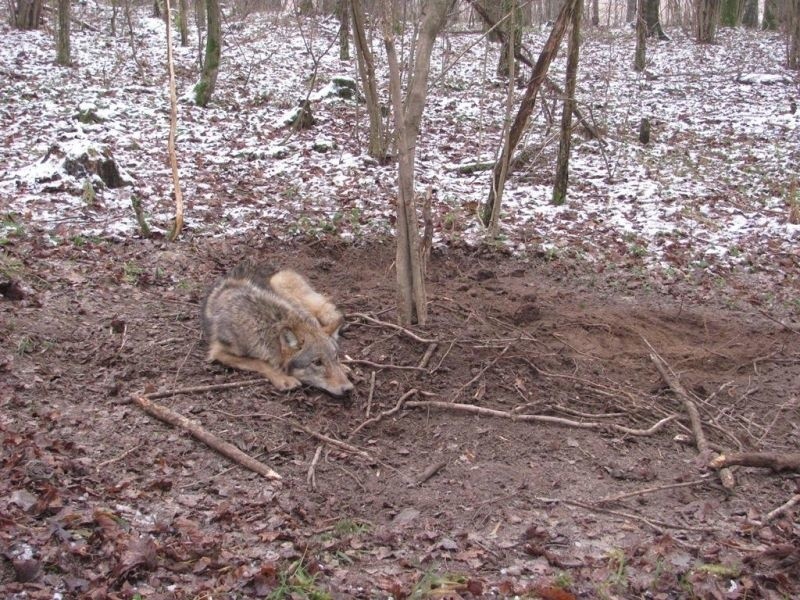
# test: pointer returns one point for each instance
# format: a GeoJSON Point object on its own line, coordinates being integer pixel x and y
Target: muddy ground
{"type": "Point", "coordinates": [99, 499]}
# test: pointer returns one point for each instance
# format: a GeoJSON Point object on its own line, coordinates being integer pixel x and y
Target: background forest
{"type": "Point", "coordinates": [565, 237]}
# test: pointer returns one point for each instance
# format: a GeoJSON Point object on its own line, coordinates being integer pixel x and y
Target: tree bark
{"type": "Point", "coordinates": [412, 302]}
{"type": "Point", "coordinates": [793, 47]}
{"type": "Point", "coordinates": [376, 147]}
{"type": "Point", "coordinates": [769, 22]}
{"type": "Point", "coordinates": [706, 19]}
{"type": "Point", "coordinates": [731, 13]}
{"type": "Point", "coordinates": [28, 14]}
{"type": "Point", "coordinates": [63, 55]}
{"type": "Point", "coordinates": [631, 10]}
{"type": "Point", "coordinates": [640, 56]}
{"type": "Point", "coordinates": [183, 21]}
{"type": "Point", "coordinates": [177, 224]}
{"type": "Point", "coordinates": [562, 165]}
{"type": "Point", "coordinates": [653, 18]}
{"type": "Point", "coordinates": [750, 14]}
{"type": "Point", "coordinates": [343, 14]}
{"type": "Point", "coordinates": [208, 78]}
{"type": "Point", "coordinates": [538, 76]}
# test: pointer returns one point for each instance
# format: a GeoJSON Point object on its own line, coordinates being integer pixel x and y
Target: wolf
{"type": "Point", "coordinates": [274, 323]}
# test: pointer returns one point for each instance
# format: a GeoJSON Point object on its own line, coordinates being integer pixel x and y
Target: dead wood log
{"type": "Point", "coordinates": [199, 433]}
{"type": "Point", "coordinates": [700, 440]}
{"type": "Point", "coordinates": [775, 461]}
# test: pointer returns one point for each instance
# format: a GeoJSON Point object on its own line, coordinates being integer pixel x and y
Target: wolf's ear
{"type": "Point", "coordinates": [289, 339]}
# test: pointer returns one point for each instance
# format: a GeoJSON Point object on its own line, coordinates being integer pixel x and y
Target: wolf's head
{"type": "Point", "coordinates": [310, 356]}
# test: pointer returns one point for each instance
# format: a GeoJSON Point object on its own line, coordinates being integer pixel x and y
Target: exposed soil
{"type": "Point", "coordinates": [99, 499]}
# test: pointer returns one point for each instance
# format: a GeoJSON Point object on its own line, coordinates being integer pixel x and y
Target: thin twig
{"type": "Point", "coordinates": [481, 372]}
{"type": "Point", "coordinates": [311, 476]}
{"type": "Point", "coordinates": [331, 441]}
{"type": "Point", "coordinates": [204, 388]}
{"type": "Point", "coordinates": [384, 414]}
{"type": "Point", "coordinates": [426, 358]}
{"type": "Point", "coordinates": [369, 363]}
{"type": "Point", "coordinates": [371, 393]}
{"type": "Point", "coordinates": [408, 333]}
{"type": "Point", "coordinates": [782, 508]}
{"type": "Point", "coordinates": [480, 410]}
{"type": "Point", "coordinates": [649, 490]}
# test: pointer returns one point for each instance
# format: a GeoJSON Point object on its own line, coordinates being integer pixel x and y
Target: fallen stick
{"type": "Point", "coordinates": [428, 473]}
{"type": "Point", "coordinates": [700, 440]}
{"type": "Point", "coordinates": [775, 461]}
{"type": "Point", "coordinates": [384, 414]}
{"type": "Point", "coordinates": [331, 441]}
{"type": "Point", "coordinates": [374, 365]}
{"type": "Point", "coordinates": [204, 388]}
{"type": "Point", "coordinates": [491, 412]}
{"type": "Point", "coordinates": [426, 358]}
{"type": "Point", "coordinates": [649, 490]}
{"type": "Point", "coordinates": [782, 508]}
{"type": "Point", "coordinates": [209, 439]}
{"type": "Point", "coordinates": [403, 330]}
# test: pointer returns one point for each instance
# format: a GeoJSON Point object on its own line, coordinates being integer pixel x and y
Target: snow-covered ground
{"type": "Point", "coordinates": [711, 190]}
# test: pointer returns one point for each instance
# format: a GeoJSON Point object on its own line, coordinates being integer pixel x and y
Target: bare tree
{"type": "Point", "coordinates": [377, 145]}
{"type": "Point", "coordinates": [491, 208]}
{"type": "Point", "coordinates": [26, 14]}
{"type": "Point", "coordinates": [793, 48]}
{"type": "Point", "coordinates": [731, 13]}
{"type": "Point", "coordinates": [706, 19]}
{"type": "Point", "coordinates": [750, 13]}
{"type": "Point", "coordinates": [208, 78]}
{"type": "Point", "coordinates": [562, 166]}
{"type": "Point", "coordinates": [63, 54]}
{"type": "Point", "coordinates": [183, 21]}
{"type": "Point", "coordinates": [412, 302]}
{"type": "Point", "coordinates": [177, 225]}
{"type": "Point", "coordinates": [640, 57]}
{"type": "Point", "coordinates": [343, 14]}
{"type": "Point", "coordinates": [769, 21]}
{"type": "Point", "coordinates": [652, 12]}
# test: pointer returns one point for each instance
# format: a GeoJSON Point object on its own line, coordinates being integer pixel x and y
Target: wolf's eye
{"type": "Point", "coordinates": [317, 363]}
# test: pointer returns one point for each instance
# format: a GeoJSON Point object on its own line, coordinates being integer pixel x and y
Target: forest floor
{"type": "Point", "coordinates": [686, 247]}
{"type": "Point", "coordinates": [101, 500]}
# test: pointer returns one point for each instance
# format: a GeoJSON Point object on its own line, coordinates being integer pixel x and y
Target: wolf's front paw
{"type": "Point", "coordinates": [285, 382]}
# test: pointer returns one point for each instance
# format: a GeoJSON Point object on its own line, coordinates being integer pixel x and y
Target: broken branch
{"type": "Point", "coordinates": [199, 433]}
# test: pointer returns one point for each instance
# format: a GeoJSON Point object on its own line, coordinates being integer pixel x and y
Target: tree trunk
{"type": "Point", "coordinates": [595, 13]}
{"type": "Point", "coordinates": [183, 21]}
{"type": "Point", "coordinates": [750, 14]}
{"type": "Point", "coordinates": [769, 21]}
{"type": "Point", "coordinates": [640, 57]}
{"type": "Point", "coordinates": [342, 13]}
{"type": "Point", "coordinates": [730, 13]}
{"type": "Point", "coordinates": [412, 302]}
{"type": "Point", "coordinates": [631, 10]}
{"type": "Point", "coordinates": [28, 14]}
{"type": "Point", "coordinates": [208, 78]}
{"type": "Point", "coordinates": [63, 54]}
{"type": "Point", "coordinates": [793, 47]}
{"type": "Point", "coordinates": [653, 18]}
{"type": "Point", "coordinates": [706, 19]}
{"type": "Point", "coordinates": [538, 76]}
{"type": "Point", "coordinates": [366, 69]}
{"type": "Point", "coordinates": [511, 25]}
{"type": "Point", "coordinates": [177, 224]}
{"type": "Point", "coordinates": [562, 166]}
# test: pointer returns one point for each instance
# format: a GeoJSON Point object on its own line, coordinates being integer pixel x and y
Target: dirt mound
{"type": "Point", "coordinates": [536, 399]}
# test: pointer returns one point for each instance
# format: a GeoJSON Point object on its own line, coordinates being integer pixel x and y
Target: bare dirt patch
{"type": "Point", "coordinates": [98, 499]}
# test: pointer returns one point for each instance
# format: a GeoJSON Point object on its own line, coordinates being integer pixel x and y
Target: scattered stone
{"type": "Point", "coordinates": [323, 145]}
{"type": "Point", "coordinates": [484, 274]}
